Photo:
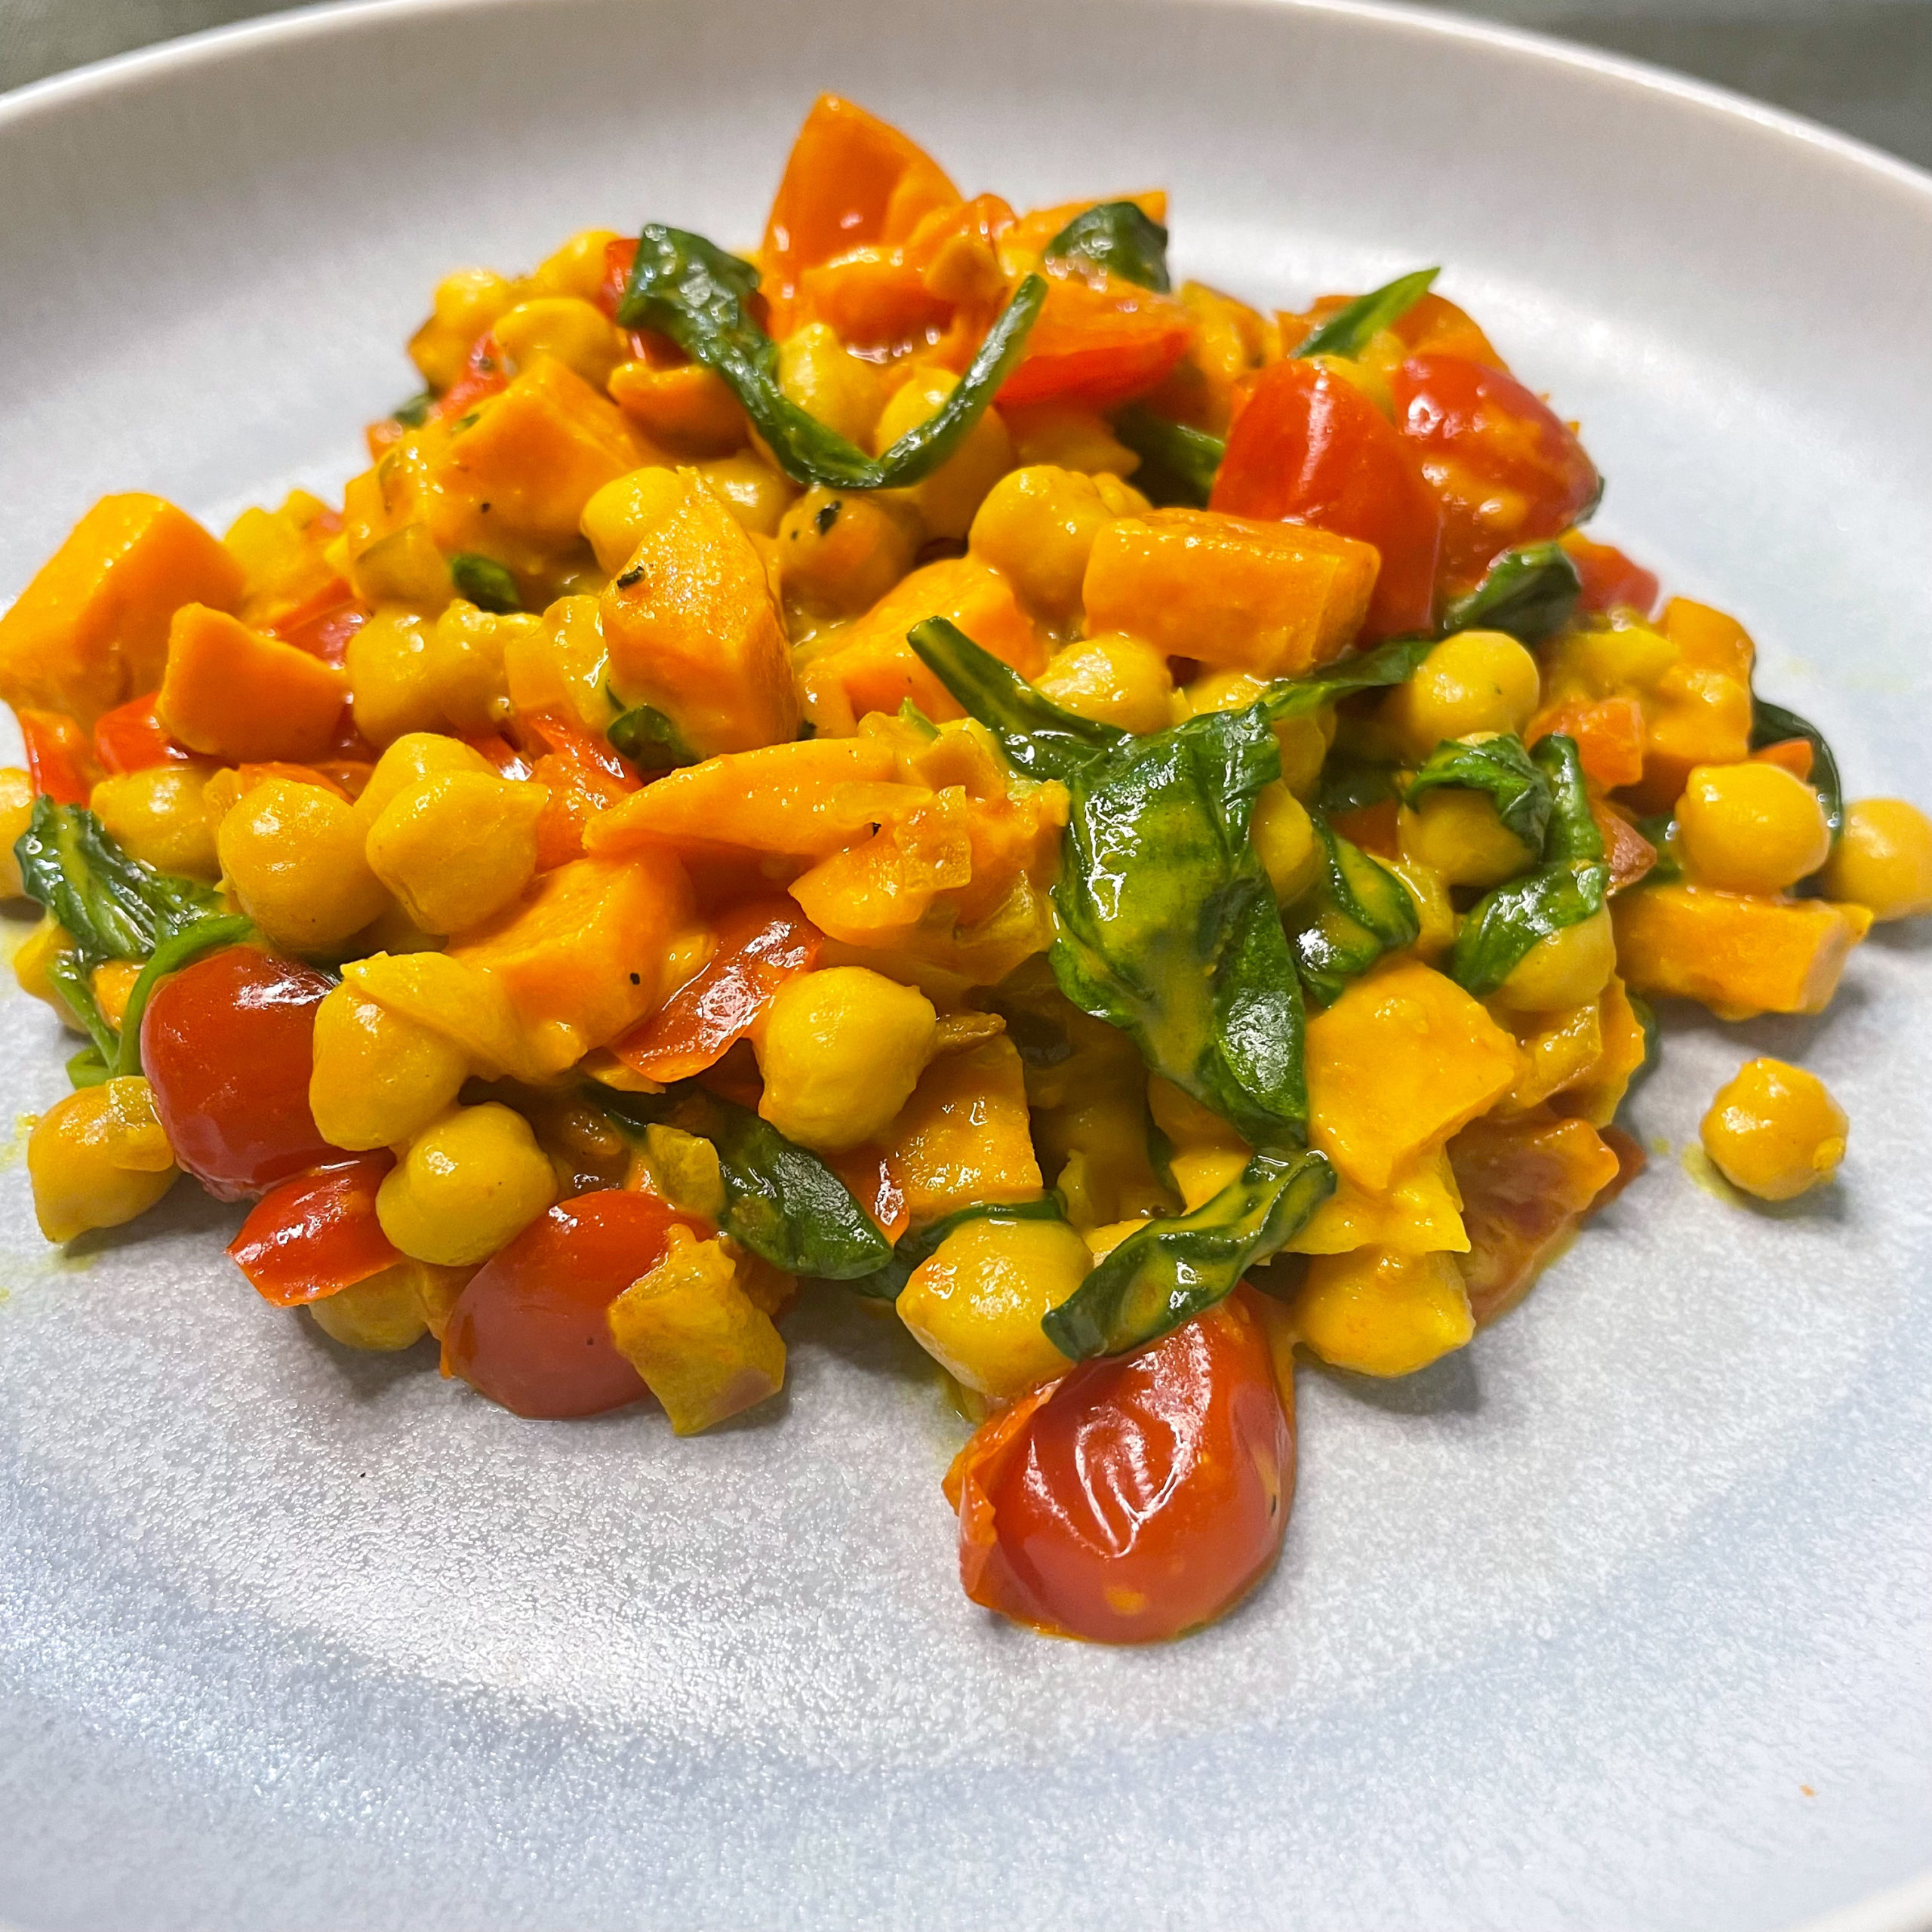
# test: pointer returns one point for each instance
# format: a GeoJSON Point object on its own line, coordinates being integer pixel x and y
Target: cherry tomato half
{"type": "Point", "coordinates": [1098, 344]}
{"type": "Point", "coordinates": [226, 1046]}
{"type": "Point", "coordinates": [1137, 1497]}
{"type": "Point", "coordinates": [1506, 467]}
{"type": "Point", "coordinates": [131, 738]}
{"type": "Point", "coordinates": [1306, 446]}
{"type": "Point", "coordinates": [317, 1234]}
{"type": "Point", "coordinates": [528, 1330]}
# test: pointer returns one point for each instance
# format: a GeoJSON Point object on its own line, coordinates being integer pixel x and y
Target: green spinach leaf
{"type": "Point", "coordinates": [1177, 463]}
{"type": "Point", "coordinates": [1349, 331]}
{"type": "Point", "coordinates": [651, 741]}
{"type": "Point", "coordinates": [1119, 237]}
{"type": "Point", "coordinates": [1356, 911]}
{"type": "Point", "coordinates": [1498, 767]}
{"type": "Point", "coordinates": [485, 582]}
{"type": "Point", "coordinates": [1528, 592]}
{"type": "Point", "coordinates": [1770, 723]}
{"type": "Point", "coordinates": [688, 289]}
{"type": "Point", "coordinates": [1391, 663]}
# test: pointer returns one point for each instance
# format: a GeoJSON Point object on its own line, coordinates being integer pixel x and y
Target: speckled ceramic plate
{"type": "Point", "coordinates": [1621, 1618]}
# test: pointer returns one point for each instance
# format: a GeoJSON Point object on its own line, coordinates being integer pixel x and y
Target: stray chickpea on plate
{"type": "Point", "coordinates": [1134, 832]}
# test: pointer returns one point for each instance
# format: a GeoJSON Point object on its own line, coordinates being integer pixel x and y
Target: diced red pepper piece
{"type": "Point", "coordinates": [316, 1234]}
{"type": "Point", "coordinates": [59, 758]}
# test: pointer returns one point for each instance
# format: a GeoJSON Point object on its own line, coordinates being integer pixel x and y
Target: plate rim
{"type": "Point", "coordinates": [1907, 1907]}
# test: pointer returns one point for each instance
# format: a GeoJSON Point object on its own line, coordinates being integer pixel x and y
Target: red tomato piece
{"type": "Point", "coordinates": [1306, 446]}
{"type": "Point", "coordinates": [316, 1234]}
{"type": "Point", "coordinates": [323, 624]}
{"type": "Point", "coordinates": [584, 775]}
{"type": "Point", "coordinates": [1507, 469]}
{"type": "Point", "coordinates": [226, 1045]}
{"type": "Point", "coordinates": [510, 762]}
{"type": "Point", "coordinates": [528, 1330]}
{"type": "Point", "coordinates": [1098, 344]}
{"type": "Point", "coordinates": [131, 738]}
{"type": "Point", "coordinates": [59, 758]}
{"type": "Point", "coordinates": [759, 948]}
{"type": "Point", "coordinates": [483, 375]}
{"type": "Point", "coordinates": [1137, 1497]}
{"type": "Point", "coordinates": [1611, 581]}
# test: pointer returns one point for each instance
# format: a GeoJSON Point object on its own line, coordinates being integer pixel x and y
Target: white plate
{"type": "Point", "coordinates": [1621, 1618]}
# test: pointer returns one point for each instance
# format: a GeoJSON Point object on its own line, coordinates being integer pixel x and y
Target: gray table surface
{"type": "Point", "coordinates": [1862, 65]}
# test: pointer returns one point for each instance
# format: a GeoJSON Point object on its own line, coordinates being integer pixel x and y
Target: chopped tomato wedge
{"type": "Point", "coordinates": [529, 1330]}
{"type": "Point", "coordinates": [584, 775]}
{"type": "Point", "coordinates": [225, 1044]}
{"type": "Point", "coordinates": [1306, 446]}
{"type": "Point", "coordinates": [131, 738]}
{"type": "Point", "coordinates": [316, 1234]}
{"type": "Point", "coordinates": [1611, 581]}
{"type": "Point", "coordinates": [510, 762]}
{"type": "Point", "coordinates": [1098, 343]}
{"type": "Point", "coordinates": [60, 757]}
{"type": "Point", "coordinates": [483, 376]}
{"type": "Point", "coordinates": [1137, 1497]}
{"type": "Point", "coordinates": [323, 624]}
{"type": "Point", "coordinates": [760, 947]}
{"type": "Point", "coordinates": [1507, 469]}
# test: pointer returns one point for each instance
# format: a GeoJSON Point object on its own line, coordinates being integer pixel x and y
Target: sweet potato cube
{"type": "Point", "coordinates": [243, 696]}
{"type": "Point", "coordinates": [90, 631]}
{"type": "Point", "coordinates": [1709, 639]}
{"type": "Point", "coordinates": [1421, 1214]}
{"type": "Point", "coordinates": [705, 1349]}
{"type": "Point", "coordinates": [1401, 1061]}
{"type": "Point", "coordinates": [587, 953]}
{"type": "Point", "coordinates": [1739, 954]}
{"type": "Point", "coordinates": [965, 1136]}
{"type": "Point", "coordinates": [1272, 599]}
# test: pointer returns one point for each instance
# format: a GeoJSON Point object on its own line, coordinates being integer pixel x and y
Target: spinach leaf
{"type": "Point", "coordinates": [1771, 723]}
{"type": "Point", "coordinates": [1567, 889]}
{"type": "Point", "coordinates": [651, 740]}
{"type": "Point", "coordinates": [1391, 663]}
{"type": "Point", "coordinates": [1348, 331]}
{"type": "Point", "coordinates": [1660, 828]}
{"type": "Point", "coordinates": [1356, 911]}
{"type": "Point", "coordinates": [1349, 784]}
{"type": "Point", "coordinates": [691, 290]}
{"type": "Point", "coordinates": [1168, 926]}
{"type": "Point", "coordinates": [1119, 237]}
{"type": "Point", "coordinates": [1170, 1270]}
{"type": "Point", "coordinates": [1038, 737]}
{"type": "Point", "coordinates": [1500, 768]}
{"type": "Point", "coordinates": [1529, 593]}
{"type": "Point", "coordinates": [781, 1201]}
{"type": "Point", "coordinates": [1177, 463]}
{"type": "Point", "coordinates": [413, 414]}
{"type": "Point", "coordinates": [922, 1244]}
{"type": "Point", "coordinates": [485, 582]}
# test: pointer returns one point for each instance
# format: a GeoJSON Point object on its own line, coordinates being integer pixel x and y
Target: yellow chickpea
{"type": "Point", "coordinates": [379, 1078]}
{"type": "Point", "coordinates": [1751, 827]}
{"type": "Point", "coordinates": [568, 329]}
{"type": "Point", "coordinates": [16, 808]}
{"type": "Point", "coordinates": [408, 762]}
{"type": "Point", "coordinates": [1304, 743]}
{"type": "Point", "coordinates": [946, 500]}
{"type": "Point", "coordinates": [839, 553]}
{"type": "Point", "coordinates": [158, 816]}
{"type": "Point", "coordinates": [1883, 860]}
{"type": "Point", "coordinates": [380, 1315]}
{"type": "Point", "coordinates": [457, 847]}
{"type": "Point", "coordinates": [292, 854]}
{"type": "Point", "coordinates": [1284, 837]}
{"type": "Point", "coordinates": [1774, 1130]}
{"type": "Point", "coordinates": [467, 1183]}
{"type": "Point", "coordinates": [1458, 833]}
{"type": "Point", "coordinates": [1038, 527]}
{"type": "Point", "coordinates": [755, 493]}
{"type": "Point", "coordinates": [35, 955]}
{"type": "Point", "coordinates": [842, 1050]}
{"type": "Point", "coordinates": [1070, 439]}
{"type": "Point", "coordinates": [620, 514]}
{"type": "Point", "coordinates": [975, 1306]}
{"type": "Point", "coordinates": [1115, 678]}
{"type": "Point", "coordinates": [1566, 967]}
{"type": "Point", "coordinates": [1476, 681]}
{"type": "Point", "coordinates": [577, 268]}
{"type": "Point", "coordinates": [818, 374]}
{"type": "Point", "coordinates": [465, 304]}
{"type": "Point", "coordinates": [1382, 1313]}
{"type": "Point", "coordinates": [97, 1158]}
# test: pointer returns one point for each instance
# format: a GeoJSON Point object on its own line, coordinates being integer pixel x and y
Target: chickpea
{"type": "Point", "coordinates": [1038, 527]}
{"type": "Point", "coordinates": [292, 854]}
{"type": "Point", "coordinates": [1304, 743]}
{"type": "Point", "coordinates": [1458, 833]}
{"type": "Point", "coordinates": [457, 847]}
{"type": "Point", "coordinates": [566, 328]}
{"type": "Point", "coordinates": [379, 1078]}
{"type": "Point", "coordinates": [405, 568]}
{"type": "Point", "coordinates": [16, 809]}
{"type": "Point", "coordinates": [1476, 681]}
{"type": "Point", "coordinates": [1382, 1313]}
{"type": "Point", "coordinates": [1284, 837]}
{"type": "Point", "coordinates": [755, 493]}
{"type": "Point", "coordinates": [1566, 967]}
{"type": "Point", "coordinates": [98, 1158]}
{"type": "Point", "coordinates": [1070, 438]}
{"type": "Point", "coordinates": [465, 304]}
{"type": "Point", "coordinates": [946, 501]}
{"type": "Point", "coordinates": [381, 1315]}
{"type": "Point", "coordinates": [158, 816]}
{"type": "Point", "coordinates": [411, 759]}
{"type": "Point", "coordinates": [1883, 860]}
{"type": "Point", "coordinates": [388, 686]}
{"type": "Point", "coordinates": [1774, 1130]}
{"type": "Point", "coordinates": [31, 959]}
{"type": "Point", "coordinates": [578, 267]}
{"type": "Point", "coordinates": [619, 516]}
{"type": "Point", "coordinates": [1753, 827]}
{"type": "Point", "coordinates": [1115, 678]}
{"type": "Point", "coordinates": [975, 1305]}
{"type": "Point", "coordinates": [842, 1050]}
{"type": "Point", "coordinates": [838, 553]}
{"type": "Point", "coordinates": [468, 1182]}
{"type": "Point", "coordinates": [817, 372]}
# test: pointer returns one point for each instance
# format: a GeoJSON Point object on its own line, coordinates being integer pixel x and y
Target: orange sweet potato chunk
{"type": "Point", "coordinates": [965, 1137]}
{"type": "Point", "coordinates": [237, 694]}
{"type": "Point", "coordinates": [90, 631]}
{"type": "Point", "coordinates": [1272, 599]}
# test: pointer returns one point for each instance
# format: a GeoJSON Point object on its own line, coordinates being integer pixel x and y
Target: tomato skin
{"type": "Point", "coordinates": [1507, 469]}
{"type": "Point", "coordinates": [131, 738]}
{"type": "Point", "coordinates": [1306, 446]}
{"type": "Point", "coordinates": [324, 624]}
{"type": "Point", "coordinates": [528, 1330]}
{"type": "Point", "coordinates": [226, 1045]}
{"type": "Point", "coordinates": [584, 777]}
{"type": "Point", "coordinates": [60, 757]}
{"type": "Point", "coordinates": [1098, 343]}
{"type": "Point", "coordinates": [317, 1234]}
{"type": "Point", "coordinates": [1610, 580]}
{"type": "Point", "coordinates": [1138, 1497]}
{"type": "Point", "coordinates": [483, 375]}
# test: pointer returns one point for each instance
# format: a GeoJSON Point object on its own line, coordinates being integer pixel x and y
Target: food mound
{"type": "Point", "coordinates": [1131, 833]}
